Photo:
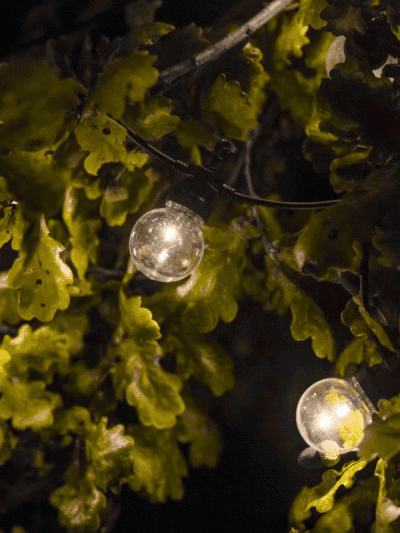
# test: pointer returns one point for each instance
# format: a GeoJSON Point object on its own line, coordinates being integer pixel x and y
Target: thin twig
{"type": "Point", "coordinates": [269, 248]}
{"type": "Point", "coordinates": [212, 53]}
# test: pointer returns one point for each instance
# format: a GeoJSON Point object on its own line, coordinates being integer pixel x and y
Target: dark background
{"type": "Point", "coordinates": [258, 476]}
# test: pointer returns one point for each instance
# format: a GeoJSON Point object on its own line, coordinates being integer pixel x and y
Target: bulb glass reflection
{"type": "Point", "coordinates": [167, 244]}
{"type": "Point", "coordinates": [331, 416]}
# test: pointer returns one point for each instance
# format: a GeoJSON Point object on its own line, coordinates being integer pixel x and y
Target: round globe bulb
{"type": "Point", "coordinates": [331, 416]}
{"type": "Point", "coordinates": [167, 244]}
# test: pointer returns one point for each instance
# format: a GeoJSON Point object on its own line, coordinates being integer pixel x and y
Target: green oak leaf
{"type": "Point", "coordinates": [122, 79]}
{"type": "Point", "coordinates": [347, 170]}
{"type": "Point", "coordinates": [211, 291]}
{"type": "Point", "coordinates": [296, 93]}
{"type": "Point", "coordinates": [192, 133]}
{"type": "Point", "coordinates": [4, 358]}
{"type": "Point", "coordinates": [203, 359]}
{"type": "Point", "coordinates": [125, 195]}
{"type": "Point", "coordinates": [290, 41]}
{"type": "Point", "coordinates": [322, 496]}
{"type": "Point", "coordinates": [360, 322]}
{"type": "Point", "coordinates": [307, 318]}
{"type": "Point", "coordinates": [6, 224]}
{"type": "Point", "coordinates": [35, 104]}
{"type": "Point", "coordinates": [232, 109]}
{"type": "Point", "coordinates": [148, 33]}
{"type": "Point", "coordinates": [146, 386]}
{"type": "Point", "coordinates": [197, 429]}
{"type": "Point", "coordinates": [357, 503]}
{"type": "Point", "coordinates": [389, 407]}
{"type": "Point", "coordinates": [109, 452]}
{"type": "Point", "coordinates": [40, 277]}
{"type": "Point", "coordinates": [68, 423]}
{"type": "Point", "coordinates": [37, 171]}
{"type": "Point", "coordinates": [152, 118]}
{"type": "Point", "coordinates": [8, 442]}
{"type": "Point", "coordinates": [105, 140]}
{"type": "Point", "coordinates": [386, 510]}
{"type": "Point", "coordinates": [81, 217]}
{"type": "Point", "coordinates": [229, 107]}
{"type": "Point", "coordinates": [332, 238]}
{"type": "Point", "coordinates": [136, 320]}
{"type": "Point", "coordinates": [41, 352]}
{"type": "Point", "coordinates": [8, 303]}
{"type": "Point", "coordinates": [359, 350]}
{"type": "Point", "coordinates": [82, 380]}
{"type": "Point", "coordinates": [381, 437]}
{"type": "Point", "coordinates": [297, 512]}
{"type": "Point", "coordinates": [80, 504]}
{"type": "Point", "coordinates": [28, 405]}
{"type": "Point", "coordinates": [309, 13]}
{"type": "Point", "coordinates": [73, 322]}
{"type": "Point", "coordinates": [159, 464]}
{"type": "Point", "coordinates": [343, 18]}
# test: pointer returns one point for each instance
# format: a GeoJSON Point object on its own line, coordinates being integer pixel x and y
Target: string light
{"type": "Point", "coordinates": [332, 414]}
{"type": "Point", "coordinates": [167, 244]}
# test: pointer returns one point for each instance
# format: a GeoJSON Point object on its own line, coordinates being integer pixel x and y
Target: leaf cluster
{"type": "Point", "coordinates": [85, 337]}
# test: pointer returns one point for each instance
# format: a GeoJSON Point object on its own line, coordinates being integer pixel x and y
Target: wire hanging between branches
{"type": "Point", "coordinates": [214, 182]}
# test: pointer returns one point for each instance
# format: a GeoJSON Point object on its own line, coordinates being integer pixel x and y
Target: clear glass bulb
{"type": "Point", "coordinates": [331, 416]}
{"type": "Point", "coordinates": [167, 244]}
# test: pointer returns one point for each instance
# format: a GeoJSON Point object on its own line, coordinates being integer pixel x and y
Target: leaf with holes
{"type": "Point", "coordinates": [40, 277]}
{"type": "Point", "coordinates": [105, 140]}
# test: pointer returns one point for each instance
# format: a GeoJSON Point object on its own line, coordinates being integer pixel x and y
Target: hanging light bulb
{"type": "Point", "coordinates": [167, 244]}
{"type": "Point", "coordinates": [332, 414]}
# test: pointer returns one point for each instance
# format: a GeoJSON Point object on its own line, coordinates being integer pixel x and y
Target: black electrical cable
{"type": "Point", "coordinates": [214, 181]}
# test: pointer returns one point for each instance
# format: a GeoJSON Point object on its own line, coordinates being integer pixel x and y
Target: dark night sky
{"type": "Point", "coordinates": [258, 475]}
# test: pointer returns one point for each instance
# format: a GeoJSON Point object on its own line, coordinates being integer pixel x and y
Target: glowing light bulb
{"type": "Point", "coordinates": [167, 244]}
{"type": "Point", "coordinates": [331, 416]}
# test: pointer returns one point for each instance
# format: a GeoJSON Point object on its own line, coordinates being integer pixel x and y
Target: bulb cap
{"type": "Point", "coordinates": [380, 381]}
{"type": "Point", "coordinates": [194, 195]}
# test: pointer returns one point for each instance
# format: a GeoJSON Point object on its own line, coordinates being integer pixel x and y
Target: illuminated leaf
{"type": "Point", "coordinates": [332, 238]}
{"type": "Point", "coordinates": [152, 118]}
{"type": "Point", "coordinates": [35, 104]}
{"type": "Point", "coordinates": [136, 320]}
{"type": "Point", "coordinates": [124, 78]}
{"type": "Point", "coordinates": [29, 405]}
{"type": "Point", "coordinates": [291, 39]}
{"type": "Point", "coordinates": [149, 388]}
{"type": "Point", "coordinates": [206, 361]}
{"type": "Point", "coordinates": [127, 196]}
{"type": "Point", "coordinates": [105, 140]}
{"type": "Point", "coordinates": [307, 318]}
{"type": "Point", "coordinates": [79, 504]}
{"type": "Point", "coordinates": [8, 442]}
{"type": "Point", "coordinates": [81, 218]}
{"type": "Point", "coordinates": [309, 13]}
{"type": "Point", "coordinates": [382, 438]}
{"type": "Point", "coordinates": [229, 106]}
{"type": "Point", "coordinates": [196, 428]}
{"type": "Point", "coordinates": [42, 352]}
{"type": "Point", "coordinates": [159, 464]}
{"type": "Point", "coordinates": [109, 452]}
{"type": "Point", "coordinates": [322, 496]}
{"type": "Point", "coordinates": [40, 277]}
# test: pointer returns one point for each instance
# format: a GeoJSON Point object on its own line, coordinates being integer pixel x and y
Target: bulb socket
{"type": "Point", "coordinates": [380, 381]}
{"type": "Point", "coordinates": [194, 195]}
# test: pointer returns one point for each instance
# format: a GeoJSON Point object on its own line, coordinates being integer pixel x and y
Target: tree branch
{"type": "Point", "coordinates": [169, 75]}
